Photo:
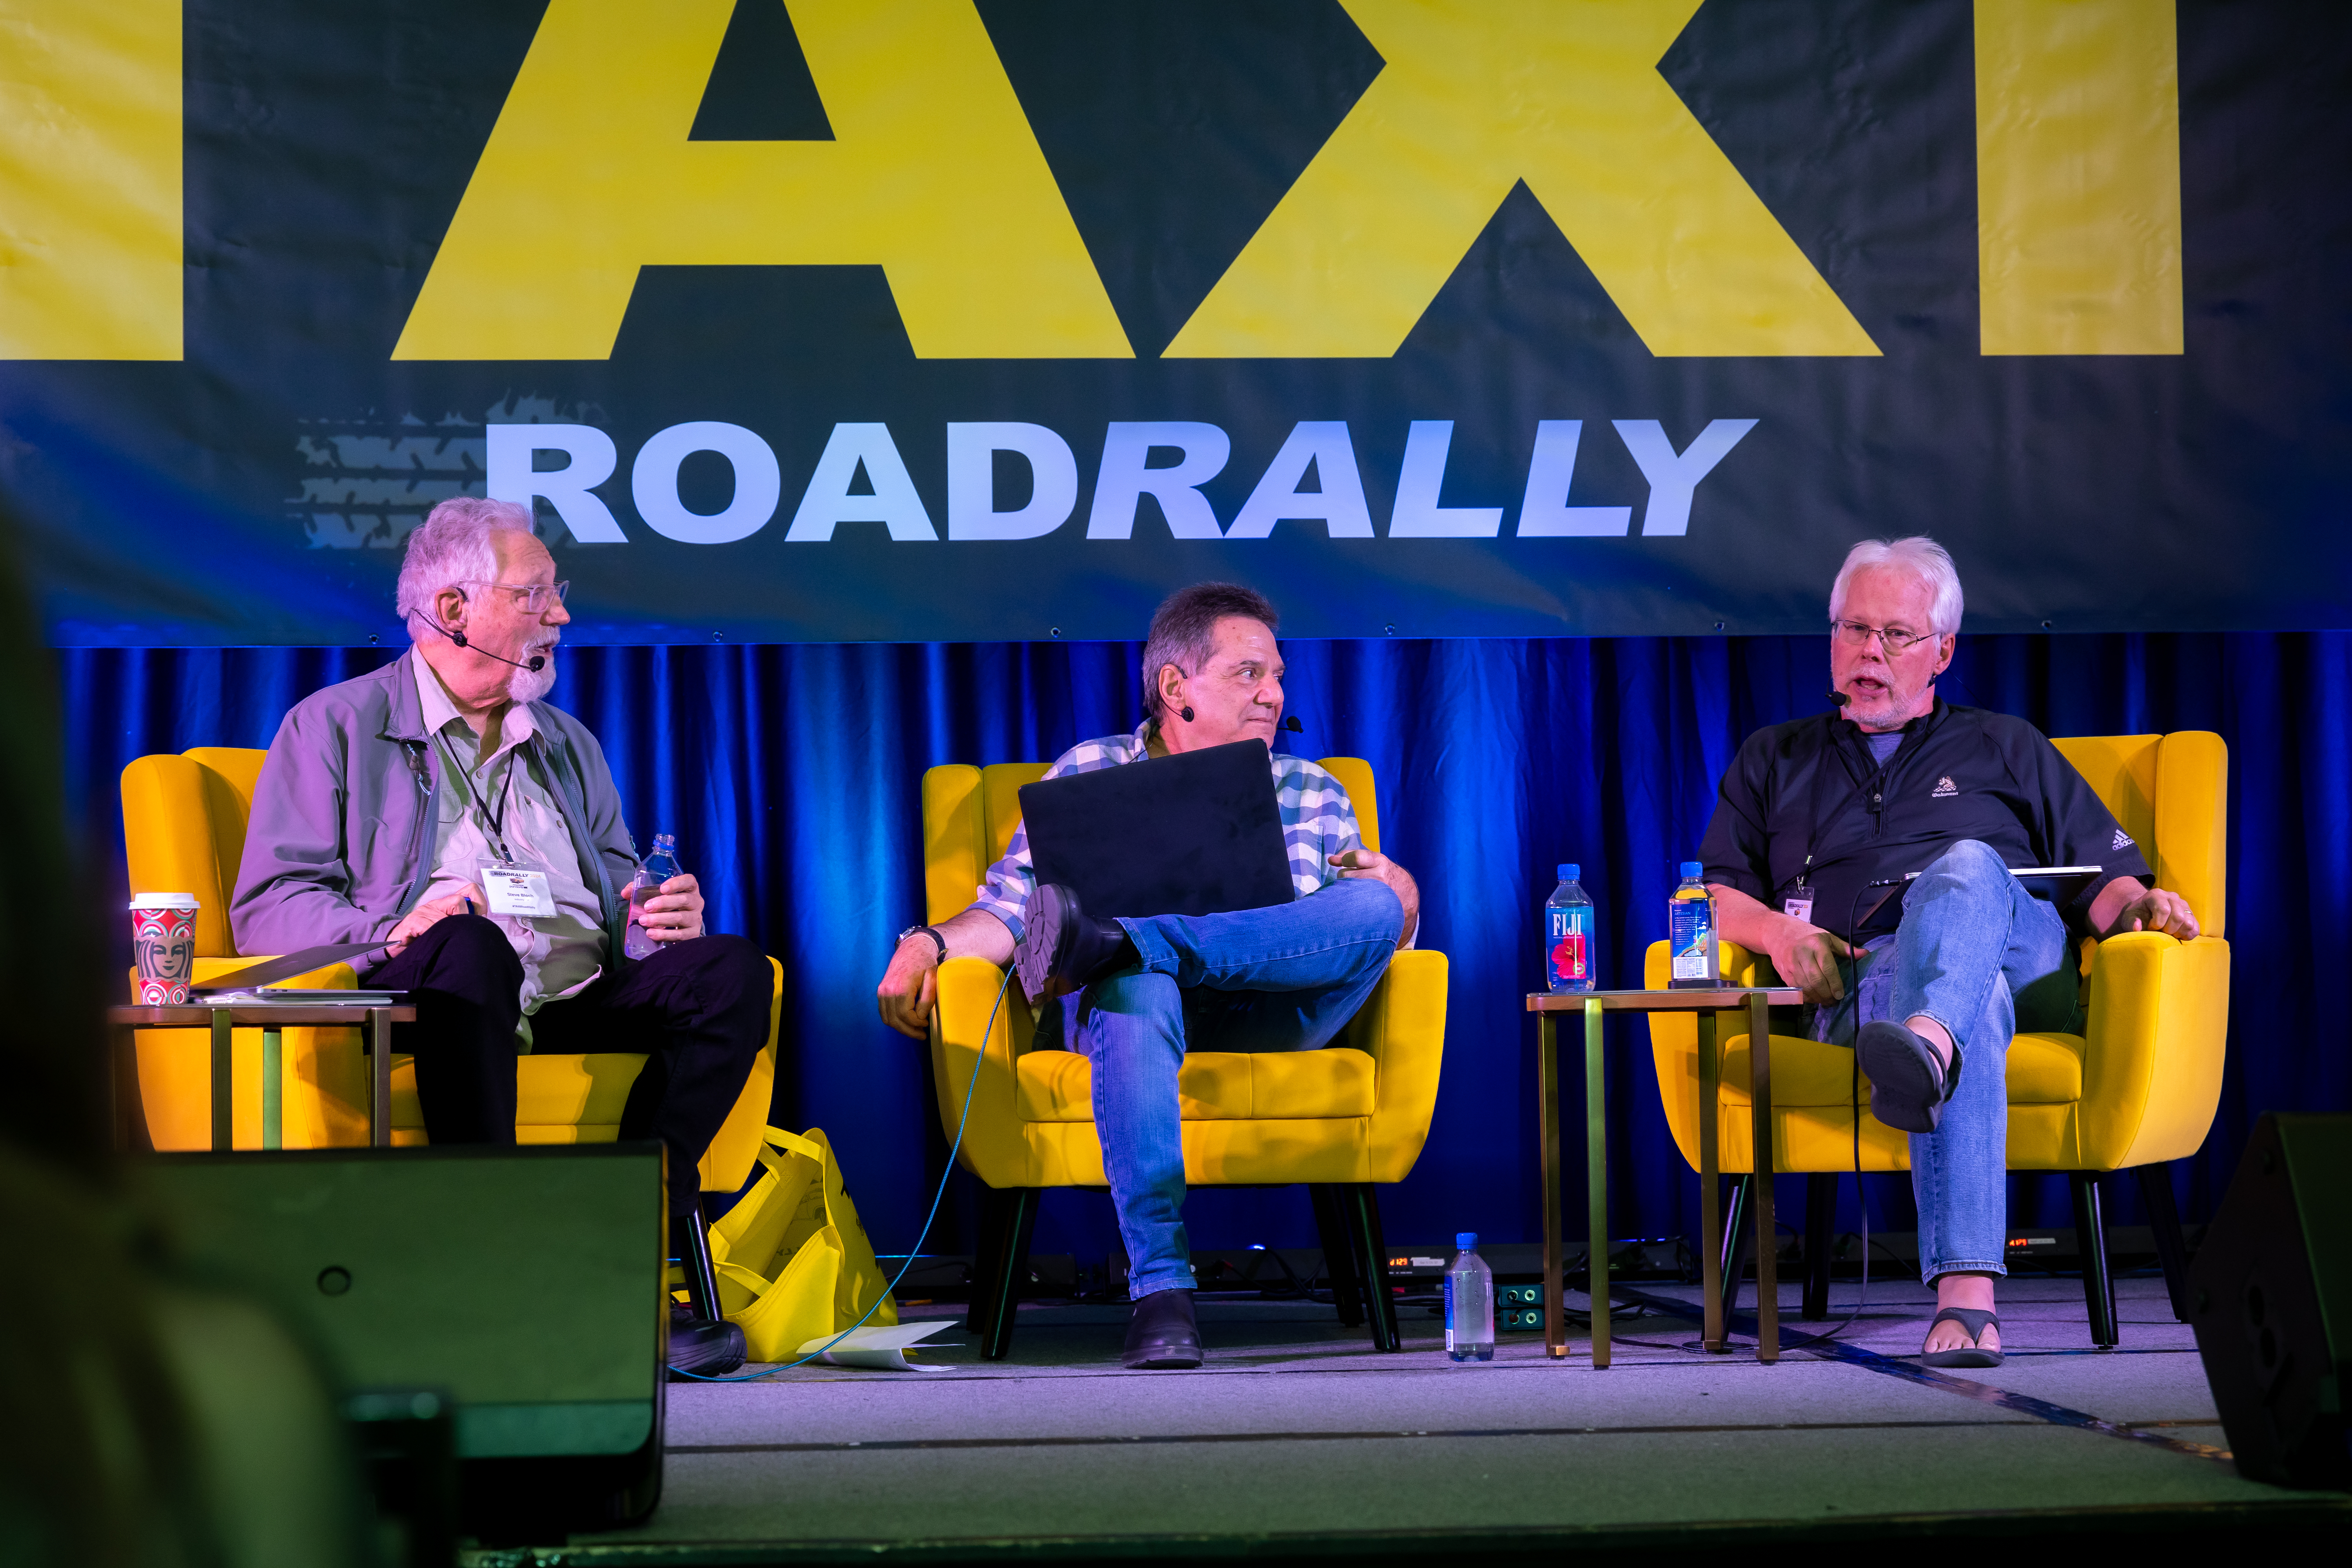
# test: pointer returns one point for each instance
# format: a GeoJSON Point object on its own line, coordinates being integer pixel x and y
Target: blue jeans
{"type": "Point", "coordinates": [1279, 979]}
{"type": "Point", "coordinates": [1984, 958]}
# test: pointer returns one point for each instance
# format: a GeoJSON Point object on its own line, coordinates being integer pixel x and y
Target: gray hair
{"type": "Point", "coordinates": [1921, 556]}
{"type": "Point", "coordinates": [1184, 631]}
{"type": "Point", "coordinates": [452, 545]}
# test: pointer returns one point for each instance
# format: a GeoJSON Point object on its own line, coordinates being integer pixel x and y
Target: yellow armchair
{"type": "Point", "coordinates": [183, 821]}
{"type": "Point", "coordinates": [2138, 1088]}
{"type": "Point", "coordinates": [1340, 1120]}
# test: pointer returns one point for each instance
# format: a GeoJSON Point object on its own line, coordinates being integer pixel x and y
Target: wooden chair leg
{"type": "Point", "coordinates": [2090, 1242]}
{"type": "Point", "coordinates": [1363, 1208]}
{"type": "Point", "coordinates": [2164, 1220]}
{"type": "Point", "coordinates": [1820, 1220]}
{"type": "Point", "coordinates": [1338, 1253]}
{"type": "Point", "coordinates": [1737, 1245]}
{"type": "Point", "coordinates": [1009, 1271]}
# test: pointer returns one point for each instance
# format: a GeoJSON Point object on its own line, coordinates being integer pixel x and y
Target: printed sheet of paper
{"type": "Point", "coordinates": [884, 1348]}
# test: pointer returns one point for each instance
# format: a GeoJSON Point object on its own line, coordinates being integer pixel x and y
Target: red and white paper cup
{"type": "Point", "coordinates": [163, 942]}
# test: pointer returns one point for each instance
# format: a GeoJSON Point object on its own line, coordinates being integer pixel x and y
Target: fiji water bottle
{"type": "Point", "coordinates": [1692, 964]}
{"type": "Point", "coordinates": [1568, 935]}
{"type": "Point", "coordinates": [658, 868]}
{"type": "Point", "coordinates": [1469, 1303]}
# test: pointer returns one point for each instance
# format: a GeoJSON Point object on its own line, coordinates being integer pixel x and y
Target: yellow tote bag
{"type": "Point", "coordinates": [794, 1263]}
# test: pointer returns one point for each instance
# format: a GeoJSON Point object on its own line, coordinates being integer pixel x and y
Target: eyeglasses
{"type": "Point", "coordinates": [530, 598]}
{"type": "Point", "coordinates": [1893, 639]}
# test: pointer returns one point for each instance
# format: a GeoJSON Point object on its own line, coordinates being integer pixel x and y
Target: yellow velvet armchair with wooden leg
{"type": "Point", "coordinates": [183, 821]}
{"type": "Point", "coordinates": [1340, 1120]}
{"type": "Point", "coordinates": [2137, 1088]}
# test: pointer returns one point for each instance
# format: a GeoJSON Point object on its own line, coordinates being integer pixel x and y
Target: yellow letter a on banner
{"type": "Point", "coordinates": [1475, 96]}
{"type": "Point", "coordinates": [933, 173]}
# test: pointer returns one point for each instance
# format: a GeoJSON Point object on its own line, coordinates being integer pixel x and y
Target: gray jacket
{"type": "Point", "coordinates": [339, 848]}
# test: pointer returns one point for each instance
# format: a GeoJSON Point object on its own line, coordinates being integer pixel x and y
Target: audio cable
{"type": "Point", "coordinates": [1849, 973]}
{"type": "Point", "coordinates": [1852, 977]}
{"type": "Point", "coordinates": [913, 1253]}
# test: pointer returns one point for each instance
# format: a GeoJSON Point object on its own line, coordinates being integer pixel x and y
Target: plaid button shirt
{"type": "Point", "coordinates": [1318, 821]}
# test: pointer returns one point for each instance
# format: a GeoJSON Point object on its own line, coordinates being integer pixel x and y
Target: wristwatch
{"type": "Point", "coordinates": [928, 931]}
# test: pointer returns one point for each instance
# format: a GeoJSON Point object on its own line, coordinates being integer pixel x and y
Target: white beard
{"type": "Point", "coordinates": [530, 684]}
{"type": "Point", "coordinates": [1891, 708]}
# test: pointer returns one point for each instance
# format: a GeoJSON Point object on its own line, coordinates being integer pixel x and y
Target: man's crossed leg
{"type": "Point", "coordinates": [1975, 958]}
{"type": "Point", "coordinates": [1285, 978]}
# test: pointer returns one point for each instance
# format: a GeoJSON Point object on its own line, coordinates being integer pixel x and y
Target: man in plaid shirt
{"type": "Point", "coordinates": [1142, 991]}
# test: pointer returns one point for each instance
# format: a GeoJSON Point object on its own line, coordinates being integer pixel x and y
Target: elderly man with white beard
{"type": "Point", "coordinates": [440, 806]}
{"type": "Point", "coordinates": [1820, 822]}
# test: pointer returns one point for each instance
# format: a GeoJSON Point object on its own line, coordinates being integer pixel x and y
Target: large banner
{"type": "Point", "coordinates": [838, 320]}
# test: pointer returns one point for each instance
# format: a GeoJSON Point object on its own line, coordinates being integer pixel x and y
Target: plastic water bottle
{"type": "Point", "coordinates": [1469, 1303]}
{"type": "Point", "coordinates": [1568, 934]}
{"type": "Point", "coordinates": [1692, 963]}
{"type": "Point", "coordinates": [658, 868]}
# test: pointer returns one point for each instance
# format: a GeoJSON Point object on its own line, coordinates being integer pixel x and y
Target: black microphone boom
{"type": "Point", "coordinates": [1837, 698]}
{"type": "Point", "coordinates": [538, 661]}
{"type": "Point", "coordinates": [1294, 726]}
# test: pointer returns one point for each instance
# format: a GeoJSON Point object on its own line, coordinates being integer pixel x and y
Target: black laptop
{"type": "Point", "coordinates": [1196, 834]}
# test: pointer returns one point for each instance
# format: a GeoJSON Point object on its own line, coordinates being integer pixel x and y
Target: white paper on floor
{"type": "Point", "coordinates": [882, 1347]}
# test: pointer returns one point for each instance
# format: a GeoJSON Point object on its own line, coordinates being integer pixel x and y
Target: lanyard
{"type": "Point", "coordinates": [494, 820]}
{"type": "Point", "coordinates": [1822, 818]}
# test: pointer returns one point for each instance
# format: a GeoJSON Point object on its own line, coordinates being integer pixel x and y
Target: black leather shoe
{"type": "Point", "coordinates": [1908, 1086]}
{"type": "Point", "coordinates": [1064, 948]}
{"type": "Point", "coordinates": [707, 1347]}
{"type": "Point", "coordinates": [1163, 1332]}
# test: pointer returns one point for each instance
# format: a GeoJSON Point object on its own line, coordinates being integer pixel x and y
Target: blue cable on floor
{"type": "Point", "coordinates": [913, 1253]}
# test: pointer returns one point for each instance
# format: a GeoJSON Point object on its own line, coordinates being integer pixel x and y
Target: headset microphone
{"type": "Point", "coordinates": [1837, 698]}
{"type": "Point", "coordinates": [538, 661]}
{"type": "Point", "coordinates": [1294, 726]}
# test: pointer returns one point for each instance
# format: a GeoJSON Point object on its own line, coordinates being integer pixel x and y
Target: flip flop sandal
{"type": "Point", "coordinates": [1907, 1085]}
{"type": "Point", "coordinates": [1972, 1355]}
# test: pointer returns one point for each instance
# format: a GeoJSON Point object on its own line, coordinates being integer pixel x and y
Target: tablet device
{"type": "Point", "coordinates": [2052, 884]}
{"type": "Point", "coordinates": [1199, 833]}
{"type": "Point", "coordinates": [258, 974]}
{"type": "Point", "coordinates": [2056, 884]}
{"type": "Point", "coordinates": [288, 995]}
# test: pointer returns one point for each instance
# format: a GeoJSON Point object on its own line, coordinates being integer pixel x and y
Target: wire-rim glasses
{"type": "Point", "coordinates": [1893, 639]}
{"type": "Point", "coordinates": [530, 597]}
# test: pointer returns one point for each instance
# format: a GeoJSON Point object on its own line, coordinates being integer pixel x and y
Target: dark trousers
{"type": "Point", "coordinates": [697, 1010]}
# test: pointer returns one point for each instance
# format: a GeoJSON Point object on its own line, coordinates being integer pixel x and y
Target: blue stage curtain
{"type": "Point", "coordinates": [791, 775]}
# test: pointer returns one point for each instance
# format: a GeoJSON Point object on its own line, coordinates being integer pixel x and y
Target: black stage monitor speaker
{"type": "Point", "coordinates": [2270, 1296]}
{"type": "Point", "coordinates": [526, 1284]}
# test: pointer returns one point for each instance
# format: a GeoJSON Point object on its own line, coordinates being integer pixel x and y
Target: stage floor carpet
{"type": "Point", "coordinates": [1298, 1440]}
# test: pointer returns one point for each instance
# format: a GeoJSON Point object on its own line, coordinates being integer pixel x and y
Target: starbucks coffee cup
{"type": "Point", "coordinates": [163, 943]}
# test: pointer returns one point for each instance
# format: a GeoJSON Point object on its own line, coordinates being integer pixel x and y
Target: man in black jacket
{"type": "Point", "coordinates": [1820, 822]}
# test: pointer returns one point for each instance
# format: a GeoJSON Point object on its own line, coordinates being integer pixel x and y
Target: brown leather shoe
{"type": "Point", "coordinates": [1163, 1332]}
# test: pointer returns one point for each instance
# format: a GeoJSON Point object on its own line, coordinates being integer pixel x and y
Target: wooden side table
{"type": "Point", "coordinates": [1709, 1006]}
{"type": "Point", "coordinates": [130, 1115]}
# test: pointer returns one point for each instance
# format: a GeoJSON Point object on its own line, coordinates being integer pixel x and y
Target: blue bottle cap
{"type": "Point", "coordinates": [1693, 868]}
{"type": "Point", "coordinates": [1467, 1240]}
{"type": "Point", "coordinates": [1569, 870]}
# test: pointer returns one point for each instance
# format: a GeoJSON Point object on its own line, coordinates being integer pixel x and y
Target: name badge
{"type": "Point", "coordinates": [517, 891]}
{"type": "Point", "coordinates": [1800, 910]}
